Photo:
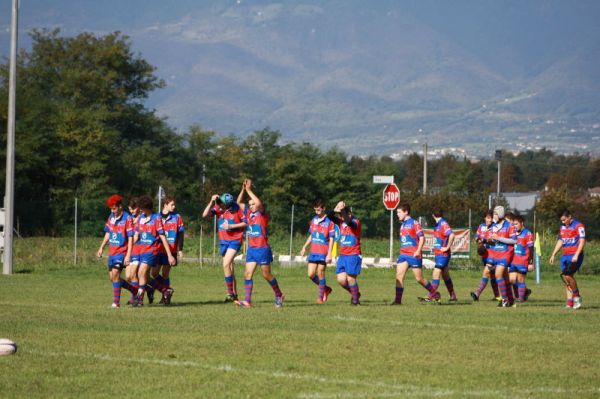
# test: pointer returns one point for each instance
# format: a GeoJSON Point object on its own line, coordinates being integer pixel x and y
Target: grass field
{"type": "Point", "coordinates": [72, 344]}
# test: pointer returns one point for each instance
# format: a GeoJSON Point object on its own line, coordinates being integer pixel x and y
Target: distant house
{"type": "Point", "coordinates": [518, 202]}
{"type": "Point", "coordinates": [594, 192]}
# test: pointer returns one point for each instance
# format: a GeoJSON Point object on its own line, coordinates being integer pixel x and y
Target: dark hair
{"type": "Point", "coordinates": [133, 202]}
{"type": "Point", "coordinates": [319, 203]}
{"type": "Point", "coordinates": [144, 202]}
{"type": "Point", "coordinates": [405, 207]}
{"type": "Point", "coordinates": [489, 213]}
{"type": "Point", "coordinates": [437, 211]}
{"type": "Point", "coordinates": [168, 198]}
{"type": "Point", "coordinates": [518, 218]}
{"type": "Point", "coordinates": [565, 212]}
{"type": "Point", "coordinates": [510, 216]}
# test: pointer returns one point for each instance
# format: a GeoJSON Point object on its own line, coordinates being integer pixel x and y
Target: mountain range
{"type": "Point", "coordinates": [379, 77]}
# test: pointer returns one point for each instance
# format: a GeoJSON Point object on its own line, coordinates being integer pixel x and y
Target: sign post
{"type": "Point", "coordinates": [391, 199]}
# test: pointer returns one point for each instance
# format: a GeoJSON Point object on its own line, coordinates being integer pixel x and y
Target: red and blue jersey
{"type": "Point", "coordinates": [173, 227]}
{"type": "Point", "coordinates": [410, 233]}
{"type": "Point", "coordinates": [233, 215]}
{"type": "Point", "coordinates": [484, 232]}
{"type": "Point", "coordinates": [441, 233]}
{"type": "Point", "coordinates": [119, 229]}
{"type": "Point", "coordinates": [256, 231]}
{"type": "Point", "coordinates": [350, 237]}
{"type": "Point", "coordinates": [136, 245]}
{"type": "Point", "coordinates": [505, 230]}
{"type": "Point", "coordinates": [570, 236]}
{"type": "Point", "coordinates": [321, 231]}
{"type": "Point", "coordinates": [150, 228]}
{"type": "Point", "coordinates": [523, 247]}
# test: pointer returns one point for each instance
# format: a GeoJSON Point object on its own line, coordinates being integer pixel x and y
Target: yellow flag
{"type": "Point", "coordinates": [538, 245]}
{"type": "Point", "coordinates": [334, 249]}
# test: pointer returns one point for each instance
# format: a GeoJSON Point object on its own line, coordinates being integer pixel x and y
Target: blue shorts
{"type": "Point", "coordinates": [487, 261]}
{"type": "Point", "coordinates": [116, 261]}
{"type": "Point", "coordinates": [414, 263]}
{"type": "Point", "coordinates": [566, 259]}
{"type": "Point", "coordinates": [135, 258]}
{"type": "Point", "coordinates": [229, 244]}
{"type": "Point", "coordinates": [162, 259]}
{"type": "Point", "coordinates": [148, 258]}
{"type": "Point", "coordinates": [521, 269]}
{"type": "Point", "coordinates": [441, 262]}
{"type": "Point", "coordinates": [349, 264]}
{"type": "Point", "coordinates": [499, 262]}
{"type": "Point", "coordinates": [316, 258]}
{"type": "Point", "coordinates": [260, 255]}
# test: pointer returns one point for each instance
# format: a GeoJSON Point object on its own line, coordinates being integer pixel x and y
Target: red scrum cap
{"type": "Point", "coordinates": [114, 200]}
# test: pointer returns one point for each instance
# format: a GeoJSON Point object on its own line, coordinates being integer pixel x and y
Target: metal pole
{"type": "Point", "coordinates": [200, 248]}
{"type": "Point", "coordinates": [75, 246]}
{"type": "Point", "coordinates": [391, 234]}
{"type": "Point", "coordinates": [424, 168]}
{"type": "Point", "coordinates": [498, 188]}
{"type": "Point", "coordinates": [9, 194]}
{"type": "Point", "coordinates": [291, 232]}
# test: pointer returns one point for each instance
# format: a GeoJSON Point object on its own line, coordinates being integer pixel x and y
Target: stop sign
{"type": "Point", "coordinates": [391, 196]}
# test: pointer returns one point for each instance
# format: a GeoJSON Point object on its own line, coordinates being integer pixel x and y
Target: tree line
{"type": "Point", "coordinates": [83, 131]}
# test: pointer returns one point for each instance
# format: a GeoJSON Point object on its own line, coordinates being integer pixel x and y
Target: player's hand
{"type": "Point", "coordinates": [225, 226]}
{"type": "Point", "coordinates": [127, 260]}
{"type": "Point", "coordinates": [444, 249]}
{"type": "Point", "coordinates": [99, 253]}
{"type": "Point", "coordinates": [494, 237]}
{"type": "Point", "coordinates": [340, 205]}
{"type": "Point", "coordinates": [574, 258]}
{"type": "Point", "coordinates": [248, 184]}
{"type": "Point", "coordinates": [417, 254]}
{"type": "Point", "coordinates": [172, 260]}
{"type": "Point", "coordinates": [551, 260]}
{"type": "Point", "coordinates": [214, 198]}
{"type": "Point", "coordinates": [302, 251]}
{"type": "Point", "coordinates": [180, 254]}
{"type": "Point", "coordinates": [328, 259]}
{"type": "Point", "coordinates": [530, 268]}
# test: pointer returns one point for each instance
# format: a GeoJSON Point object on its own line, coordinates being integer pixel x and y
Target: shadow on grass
{"type": "Point", "coordinates": [24, 271]}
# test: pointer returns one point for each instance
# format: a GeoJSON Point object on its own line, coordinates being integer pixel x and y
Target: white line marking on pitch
{"type": "Point", "coordinates": [401, 389]}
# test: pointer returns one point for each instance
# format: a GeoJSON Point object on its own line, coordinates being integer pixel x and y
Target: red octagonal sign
{"type": "Point", "coordinates": [391, 196]}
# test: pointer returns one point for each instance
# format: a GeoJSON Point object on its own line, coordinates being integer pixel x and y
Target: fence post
{"type": "Point", "coordinates": [75, 246]}
{"type": "Point", "coordinates": [291, 232]}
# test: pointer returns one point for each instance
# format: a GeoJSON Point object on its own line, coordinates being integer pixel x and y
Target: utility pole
{"type": "Point", "coordinates": [498, 157]}
{"type": "Point", "coordinates": [9, 195]}
{"type": "Point", "coordinates": [425, 168]}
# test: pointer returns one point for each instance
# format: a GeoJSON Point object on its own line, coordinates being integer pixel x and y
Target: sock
{"type": "Point", "coordinates": [399, 292]}
{"type": "Point", "coordinates": [346, 287]}
{"type": "Point", "coordinates": [229, 285]}
{"type": "Point", "coordinates": [430, 288]}
{"type": "Point", "coordinates": [576, 293]}
{"type": "Point", "coordinates": [502, 288]}
{"type": "Point", "coordinates": [314, 279]}
{"type": "Point", "coordinates": [482, 285]}
{"type": "Point", "coordinates": [515, 287]}
{"type": "Point", "coordinates": [322, 288]}
{"type": "Point", "coordinates": [129, 287]}
{"type": "Point", "coordinates": [570, 302]}
{"type": "Point", "coordinates": [141, 291]}
{"type": "Point", "coordinates": [435, 284]}
{"type": "Point", "coordinates": [275, 287]}
{"type": "Point", "coordinates": [509, 292]}
{"type": "Point", "coordinates": [450, 288]}
{"type": "Point", "coordinates": [354, 292]}
{"type": "Point", "coordinates": [135, 285]}
{"type": "Point", "coordinates": [248, 285]}
{"type": "Point", "coordinates": [116, 292]}
{"type": "Point", "coordinates": [167, 282]}
{"type": "Point", "coordinates": [494, 283]}
{"type": "Point", "coordinates": [522, 288]}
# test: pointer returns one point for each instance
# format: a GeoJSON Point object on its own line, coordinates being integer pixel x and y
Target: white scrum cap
{"type": "Point", "coordinates": [499, 210]}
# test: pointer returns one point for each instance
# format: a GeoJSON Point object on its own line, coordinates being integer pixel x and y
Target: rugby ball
{"type": "Point", "coordinates": [7, 347]}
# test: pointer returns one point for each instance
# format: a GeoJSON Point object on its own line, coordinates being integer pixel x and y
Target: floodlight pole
{"type": "Point", "coordinates": [9, 195]}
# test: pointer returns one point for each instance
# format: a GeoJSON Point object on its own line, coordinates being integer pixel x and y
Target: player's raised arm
{"type": "Point", "coordinates": [252, 195]}
{"type": "Point", "coordinates": [211, 203]}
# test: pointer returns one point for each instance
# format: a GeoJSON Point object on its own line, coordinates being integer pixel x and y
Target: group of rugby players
{"type": "Point", "coordinates": [146, 245]}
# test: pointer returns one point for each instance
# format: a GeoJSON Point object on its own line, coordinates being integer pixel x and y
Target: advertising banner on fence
{"type": "Point", "coordinates": [461, 248]}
